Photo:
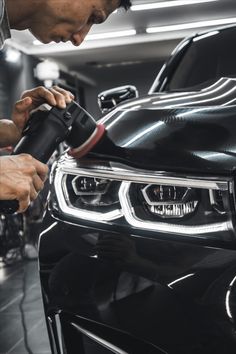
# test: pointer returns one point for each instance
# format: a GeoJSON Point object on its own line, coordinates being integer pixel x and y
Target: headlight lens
{"type": "Point", "coordinates": [92, 193]}
{"type": "Point", "coordinates": [144, 200]}
{"type": "Point", "coordinates": [169, 201]}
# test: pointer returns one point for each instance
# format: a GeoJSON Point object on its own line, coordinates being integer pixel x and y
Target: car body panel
{"type": "Point", "coordinates": [195, 127]}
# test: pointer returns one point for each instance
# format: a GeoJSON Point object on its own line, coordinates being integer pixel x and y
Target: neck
{"type": "Point", "coordinates": [20, 13]}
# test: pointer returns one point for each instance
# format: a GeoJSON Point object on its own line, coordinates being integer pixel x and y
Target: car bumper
{"type": "Point", "coordinates": [132, 294]}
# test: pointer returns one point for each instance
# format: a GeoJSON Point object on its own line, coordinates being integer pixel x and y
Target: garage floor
{"type": "Point", "coordinates": [22, 326]}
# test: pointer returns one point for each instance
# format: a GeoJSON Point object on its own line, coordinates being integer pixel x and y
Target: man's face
{"type": "Point", "coordinates": [69, 20]}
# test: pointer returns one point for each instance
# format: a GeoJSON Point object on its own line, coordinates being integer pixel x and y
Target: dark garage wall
{"type": "Point", "coordinates": [17, 77]}
{"type": "Point", "coordinates": [14, 79]}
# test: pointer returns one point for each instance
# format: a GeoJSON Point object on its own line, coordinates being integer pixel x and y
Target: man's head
{"type": "Point", "coordinates": [61, 20]}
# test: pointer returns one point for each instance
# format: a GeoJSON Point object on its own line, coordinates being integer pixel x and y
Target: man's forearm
{"type": "Point", "coordinates": [9, 133]}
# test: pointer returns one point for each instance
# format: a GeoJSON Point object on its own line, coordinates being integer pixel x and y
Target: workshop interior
{"type": "Point", "coordinates": [130, 248]}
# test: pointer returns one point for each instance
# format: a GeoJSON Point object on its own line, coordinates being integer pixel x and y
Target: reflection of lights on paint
{"type": "Point", "coordinates": [135, 108]}
{"type": "Point", "coordinates": [180, 47]}
{"type": "Point", "coordinates": [101, 341]}
{"type": "Point", "coordinates": [180, 279]}
{"type": "Point", "coordinates": [193, 111]}
{"type": "Point", "coordinates": [155, 83]}
{"type": "Point", "coordinates": [210, 155]}
{"type": "Point", "coordinates": [206, 35]}
{"type": "Point", "coordinates": [227, 304]}
{"type": "Point", "coordinates": [174, 96]}
{"type": "Point", "coordinates": [49, 228]}
{"type": "Point", "coordinates": [123, 107]}
{"type": "Point", "coordinates": [227, 298]}
{"type": "Point", "coordinates": [203, 93]}
{"type": "Point", "coordinates": [116, 120]}
{"type": "Point", "coordinates": [131, 104]}
{"type": "Point", "coordinates": [229, 102]}
{"type": "Point", "coordinates": [205, 101]}
{"type": "Point", "coordinates": [144, 132]}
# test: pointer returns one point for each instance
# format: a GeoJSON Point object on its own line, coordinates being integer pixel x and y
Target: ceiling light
{"type": "Point", "coordinates": [164, 4]}
{"type": "Point", "coordinates": [107, 35]}
{"type": "Point", "coordinates": [183, 26]}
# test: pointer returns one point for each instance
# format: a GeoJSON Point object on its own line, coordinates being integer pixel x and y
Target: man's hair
{"type": "Point", "coordinates": [126, 4]}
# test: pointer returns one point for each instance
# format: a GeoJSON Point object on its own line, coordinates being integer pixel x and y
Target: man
{"type": "Point", "coordinates": [22, 176]}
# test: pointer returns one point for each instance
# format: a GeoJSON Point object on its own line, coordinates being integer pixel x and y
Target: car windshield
{"type": "Point", "coordinates": [209, 57]}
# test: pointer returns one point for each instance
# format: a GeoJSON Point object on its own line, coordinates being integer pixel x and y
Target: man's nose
{"type": "Point", "coordinates": [78, 37]}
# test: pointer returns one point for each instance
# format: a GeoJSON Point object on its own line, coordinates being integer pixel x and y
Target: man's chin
{"type": "Point", "coordinates": [50, 40]}
{"type": "Point", "coordinates": [41, 39]}
{"type": "Point", "coordinates": [45, 41]}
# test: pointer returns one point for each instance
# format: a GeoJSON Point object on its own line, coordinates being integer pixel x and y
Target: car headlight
{"type": "Point", "coordinates": [180, 210]}
{"type": "Point", "coordinates": [86, 197]}
{"type": "Point", "coordinates": [144, 200]}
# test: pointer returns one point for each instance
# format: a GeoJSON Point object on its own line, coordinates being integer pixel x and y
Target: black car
{"type": "Point", "coordinates": [138, 249]}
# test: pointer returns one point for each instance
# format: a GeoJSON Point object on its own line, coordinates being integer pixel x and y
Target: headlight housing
{"type": "Point", "coordinates": [111, 193]}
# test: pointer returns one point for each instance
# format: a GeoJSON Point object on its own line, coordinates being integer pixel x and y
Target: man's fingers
{"type": "Point", "coordinates": [62, 97]}
{"type": "Point", "coordinates": [23, 205]}
{"type": "Point", "coordinates": [41, 169]}
{"type": "Point", "coordinates": [32, 99]}
{"type": "Point", "coordinates": [22, 178]}
{"type": "Point", "coordinates": [32, 166]}
{"type": "Point", "coordinates": [22, 193]}
{"type": "Point", "coordinates": [40, 95]}
{"type": "Point", "coordinates": [54, 96]}
{"type": "Point", "coordinates": [23, 105]}
{"type": "Point", "coordinates": [21, 112]}
{"type": "Point", "coordinates": [37, 183]}
{"type": "Point", "coordinates": [66, 94]}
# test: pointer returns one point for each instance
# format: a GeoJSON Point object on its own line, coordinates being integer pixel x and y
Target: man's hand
{"type": "Point", "coordinates": [32, 99]}
{"type": "Point", "coordinates": [21, 177]}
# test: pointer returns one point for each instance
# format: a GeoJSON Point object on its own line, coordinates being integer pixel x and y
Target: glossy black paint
{"type": "Point", "coordinates": [195, 127]}
{"type": "Point", "coordinates": [177, 296]}
{"type": "Point", "coordinates": [108, 287]}
{"type": "Point", "coordinates": [198, 58]}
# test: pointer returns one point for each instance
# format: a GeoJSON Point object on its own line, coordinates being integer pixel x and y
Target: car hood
{"type": "Point", "coordinates": [177, 131]}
